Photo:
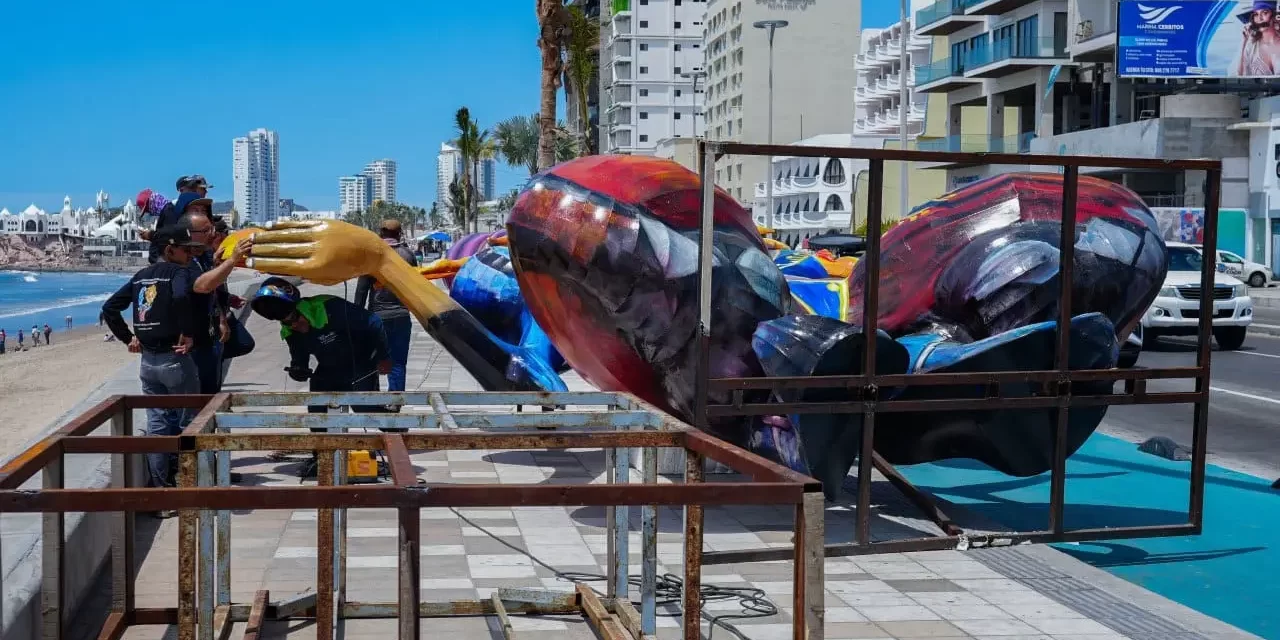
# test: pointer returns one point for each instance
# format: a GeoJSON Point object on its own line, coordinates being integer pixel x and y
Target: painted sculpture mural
{"type": "Point", "coordinates": [597, 271]}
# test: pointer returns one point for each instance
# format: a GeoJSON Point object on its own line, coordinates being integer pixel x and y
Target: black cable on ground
{"type": "Point", "coordinates": [669, 590]}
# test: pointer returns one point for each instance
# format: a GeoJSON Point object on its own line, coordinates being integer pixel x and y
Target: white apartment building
{"type": "Point", "coordinates": [382, 180]}
{"type": "Point", "coordinates": [446, 170]}
{"type": "Point", "coordinates": [812, 195]}
{"type": "Point", "coordinates": [255, 171]}
{"type": "Point", "coordinates": [878, 93]}
{"type": "Point", "coordinates": [814, 77]}
{"type": "Point", "coordinates": [646, 48]}
{"type": "Point", "coordinates": [449, 167]}
{"type": "Point", "coordinates": [354, 193]}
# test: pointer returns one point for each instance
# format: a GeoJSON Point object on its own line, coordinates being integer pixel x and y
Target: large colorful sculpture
{"type": "Point", "coordinates": [602, 271]}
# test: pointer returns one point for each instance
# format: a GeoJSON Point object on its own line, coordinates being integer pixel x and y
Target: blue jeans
{"type": "Point", "coordinates": [166, 374]}
{"type": "Point", "coordinates": [208, 359]}
{"type": "Point", "coordinates": [399, 331]}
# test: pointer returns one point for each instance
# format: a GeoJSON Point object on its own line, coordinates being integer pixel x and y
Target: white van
{"type": "Point", "coordinates": [1176, 310]}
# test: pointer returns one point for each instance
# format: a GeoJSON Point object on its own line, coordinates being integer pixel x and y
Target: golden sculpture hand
{"type": "Point", "coordinates": [322, 251]}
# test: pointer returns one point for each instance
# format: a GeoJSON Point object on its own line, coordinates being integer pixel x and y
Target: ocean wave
{"type": "Point", "coordinates": [19, 273]}
{"type": "Point", "coordinates": [57, 304]}
{"type": "Point", "coordinates": [30, 278]}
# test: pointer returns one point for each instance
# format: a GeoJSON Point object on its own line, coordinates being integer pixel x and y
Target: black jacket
{"type": "Point", "coordinates": [380, 300]}
{"type": "Point", "coordinates": [347, 348]}
{"type": "Point", "coordinates": [161, 299]}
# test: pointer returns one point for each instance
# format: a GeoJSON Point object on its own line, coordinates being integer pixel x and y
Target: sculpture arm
{"type": "Point", "coordinates": [329, 252]}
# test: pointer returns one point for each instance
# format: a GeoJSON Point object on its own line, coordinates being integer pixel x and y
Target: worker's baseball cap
{"type": "Point", "coordinates": [186, 200]}
{"type": "Point", "coordinates": [193, 181]}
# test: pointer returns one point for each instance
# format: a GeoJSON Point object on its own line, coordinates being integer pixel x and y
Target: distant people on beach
{"type": "Point", "coordinates": [68, 319]}
{"type": "Point", "coordinates": [35, 335]}
{"type": "Point", "coordinates": [3, 339]}
{"type": "Point", "coordinates": [48, 334]}
{"type": "Point", "coordinates": [21, 340]}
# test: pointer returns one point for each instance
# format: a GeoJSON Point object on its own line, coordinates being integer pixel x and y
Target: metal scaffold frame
{"type": "Point", "coordinates": [205, 499]}
{"type": "Point", "coordinates": [1056, 391]}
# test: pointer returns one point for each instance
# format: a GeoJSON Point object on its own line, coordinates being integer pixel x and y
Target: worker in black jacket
{"type": "Point", "coordinates": [396, 322]}
{"type": "Point", "coordinates": [346, 341]}
{"type": "Point", "coordinates": [163, 322]}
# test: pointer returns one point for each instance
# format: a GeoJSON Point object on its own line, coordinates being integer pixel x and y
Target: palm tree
{"type": "Point", "coordinates": [516, 139]}
{"type": "Point", "coordinates": [471, 145]}
{"type": "Point", "coordinates": [567, 148]}
{"type": "Point", "coordinates": [458, 204]}
{"type": "Point", "coordinates": [581, 49]}
{"type": "Point", "coordinates": [553, 24]}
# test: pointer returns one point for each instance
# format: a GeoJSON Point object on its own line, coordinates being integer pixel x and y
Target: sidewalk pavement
{"type": "Point", "coordinates": [999, 594]}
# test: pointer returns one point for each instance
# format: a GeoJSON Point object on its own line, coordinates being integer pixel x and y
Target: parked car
{"type": "Point", "coordinates": [1254, 273]}
{"type": "Point", "coordinates": [1177, 307]}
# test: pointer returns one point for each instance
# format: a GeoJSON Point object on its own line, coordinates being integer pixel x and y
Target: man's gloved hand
{"type": "Point", "coordinates": [301, 374]}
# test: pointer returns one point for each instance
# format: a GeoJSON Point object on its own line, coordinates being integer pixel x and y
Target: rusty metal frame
{"type": "Point", "coordinates": [205, 609]}
{"type": "Point", "coordinates": [1057, 383]}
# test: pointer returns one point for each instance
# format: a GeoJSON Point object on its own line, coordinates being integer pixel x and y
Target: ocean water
{"type": "Point", "coordinates": [28, 298]}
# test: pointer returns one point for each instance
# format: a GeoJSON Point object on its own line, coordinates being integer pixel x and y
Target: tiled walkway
{"type": "Point", "coordinates": [993, 594]}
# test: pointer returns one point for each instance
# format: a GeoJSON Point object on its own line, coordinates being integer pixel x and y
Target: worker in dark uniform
{"type": "Point", "coordinates": [347, 342]}
{"type": "Point", "coordinates": [163, 323]}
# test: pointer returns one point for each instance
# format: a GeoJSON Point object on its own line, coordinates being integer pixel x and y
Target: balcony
{"type": "Point", "coordinates": [1008, 56]}
{"type": "Point", "coordinates": [1094, 38]}
{"type": "Point", "coordinates": [941, 76]}
{"type": "Point", "coordinates": [993, 7]}
{"type": "Point", "coordinates": [944, 17]}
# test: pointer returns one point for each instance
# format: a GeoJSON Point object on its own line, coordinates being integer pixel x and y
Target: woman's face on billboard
{"type": "Point", "coordinates": [1262, 17]}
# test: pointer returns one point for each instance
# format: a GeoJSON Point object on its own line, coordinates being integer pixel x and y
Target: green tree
{"type": "Point", "coordinates": [474, 145]}
{"type": "Point", "coordinates": [581, 49]}
{"type": "Point", "coordinates": [434, 219]}
{"type": "Point", "coordinates": [458, 203]}
{"type": "Point", "coordinates": [516, 138]}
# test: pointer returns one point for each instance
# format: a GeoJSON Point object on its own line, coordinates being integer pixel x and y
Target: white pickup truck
{"type": "Point", "coordinates": [1176, 310]}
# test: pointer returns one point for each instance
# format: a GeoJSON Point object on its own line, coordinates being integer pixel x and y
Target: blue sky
{"type": "Point", "coordinates": [126, 94]}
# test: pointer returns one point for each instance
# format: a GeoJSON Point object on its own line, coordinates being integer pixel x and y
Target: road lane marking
{"type": "Point", "coordinates": [1245, 395]}
{"type": "Point", "coordinates": [1261, 355]}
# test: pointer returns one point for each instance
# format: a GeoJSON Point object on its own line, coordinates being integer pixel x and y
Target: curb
{"type": "Point", "coordinates": [1265, 329]}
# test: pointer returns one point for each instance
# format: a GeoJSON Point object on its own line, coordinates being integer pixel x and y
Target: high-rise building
{"type": "Point", "coordinates": [354, 193]}
{"type": "Point", "coordinates": [446, 170]}
{"type": "Point", "coordinates": [647, 48]}
{"type": "Point", "coordinates": [382, 179]}
{"type": "Point", "coordinates": [813, 78]}
{"type": "Point", "coordinates": [449, 167]}
{"type": "Point", "coordinates": [256, 173]}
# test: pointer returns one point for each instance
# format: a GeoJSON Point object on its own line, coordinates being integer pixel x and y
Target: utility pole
{"type": "Point", "coordinates": [904, 106]}
{"type": "Point", "coordinates": [771, 26]}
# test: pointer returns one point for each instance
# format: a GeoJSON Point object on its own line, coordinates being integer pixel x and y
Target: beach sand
{"type": "Point", "coordinates": [40, 384]}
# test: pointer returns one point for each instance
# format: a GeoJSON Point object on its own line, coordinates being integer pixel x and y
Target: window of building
{"type": "Point", "coordinates": [644, 115]}
{"type": "Point", "coordinates": [697, 46]}
{"type": "Point", "coordinates": [676, 115]}
{"type": "Point", "coordinates": [677, 24]}
{"type": "Point", "coordinates": [644, 46]}
{"type": "Point", "coordinates": [834, 173]}
{"type": "Point", "coordinates": [644, 93]}
{"type": "Point", "coordinates": [644, 138]}
{"type": "Point", "coordinates": [1028, 37]}
{"type": "Point", "coordinates": [677, 46]}
{"type": "Point", "coordinates": [677, 70]}
{"type": "Point", "coordinates": [678, 93]}
{"type": "Point", "coordinates": [833, 203]}
{"type": "Point", "coordinates": [644, 24]}
{"type": "Point", "coordinates": [644, 70]}
{"type": "Point", "coordinates": [644, 2]}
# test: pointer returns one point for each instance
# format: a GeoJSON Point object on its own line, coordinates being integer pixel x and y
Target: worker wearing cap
{"type": "Point", "coordinates": [162, 332]}
{"type": "Point", "coordinates": [190, 188]}
{"type": "Point", "coordinates": [396, 322]}
{"type": "Point", "coordinates": [346, 341]}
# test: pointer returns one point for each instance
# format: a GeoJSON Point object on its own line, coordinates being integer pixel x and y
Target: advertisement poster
{"type": "Point", "coordinates": [1198, 39]}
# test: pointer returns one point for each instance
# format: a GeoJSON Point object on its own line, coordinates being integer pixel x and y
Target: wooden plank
{"type": "Point", "coordinates": [507, 631]}
{"type": "Point", "coordinates": [253, 628]}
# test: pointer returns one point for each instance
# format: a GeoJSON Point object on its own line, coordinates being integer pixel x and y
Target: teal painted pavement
{"type": "Point", "coordinates": [1231, 572]}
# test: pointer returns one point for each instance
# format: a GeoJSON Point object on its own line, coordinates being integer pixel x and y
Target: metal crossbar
{"type": "Point", "coordinates": [229, 423]}
{"type": "Point", "coordinates": [864, 389]}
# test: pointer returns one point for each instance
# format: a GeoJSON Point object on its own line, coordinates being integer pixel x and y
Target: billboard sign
{"type": "Point", "coordinates": [1198, 39]}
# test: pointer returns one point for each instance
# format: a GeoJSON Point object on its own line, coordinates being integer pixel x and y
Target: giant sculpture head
{"type": "Point", "coordinates": [605, 250]}
{"type": "Point", "coordinates": [984, 259]}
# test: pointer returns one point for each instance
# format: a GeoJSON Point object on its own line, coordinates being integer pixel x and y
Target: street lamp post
{"type": "Point", "coordinates": [771, 26]}
{"type": "Point", "coordinates": [904, 101]}
{"type": "Point", "coordinates": [694, 75]}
